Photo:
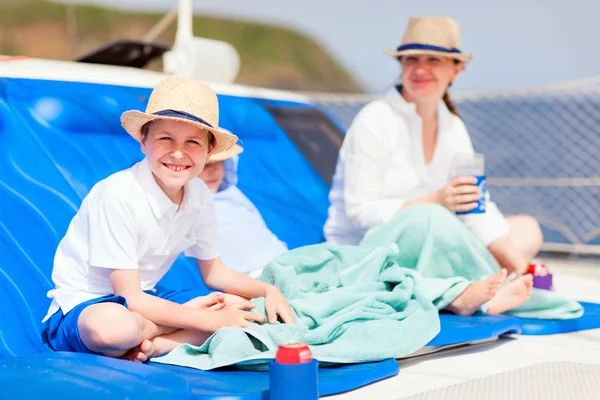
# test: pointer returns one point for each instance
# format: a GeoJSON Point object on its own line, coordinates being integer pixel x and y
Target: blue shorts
{"type": "Point", "coordinates": [61, 332]}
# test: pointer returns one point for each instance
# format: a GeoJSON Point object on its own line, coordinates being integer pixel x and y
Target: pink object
{"type": "Point", "coordinates": [12, 58]}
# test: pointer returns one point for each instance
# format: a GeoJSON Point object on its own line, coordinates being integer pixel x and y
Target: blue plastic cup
{"type": "Point", "coordinates": [472, 165]}
{"type": "Point", "coordinates": [294, 381]}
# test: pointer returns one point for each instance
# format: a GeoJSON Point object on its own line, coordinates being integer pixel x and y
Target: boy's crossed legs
{"type": "Point", "coordinates": [112, 330]}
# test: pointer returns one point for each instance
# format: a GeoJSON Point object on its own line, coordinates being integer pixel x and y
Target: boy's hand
{"type": "Point", "coordinates": [275, 304]}
{"type": "Point", "coordinates": [213, 301]}
{"type": "Point", "coordinates": [234, 315]}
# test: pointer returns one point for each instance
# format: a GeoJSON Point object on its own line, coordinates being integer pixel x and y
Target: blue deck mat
{"type": "Point", "coordinates": [57, 139]}
{"type": "Point", "coordinates": [246, 385]}
{"type": "Point", "coordinates": [589, 320]}
{"type": "Point", "coordinates": [456, 329]}
{"type": "Point", "coordinates": [84, 376]}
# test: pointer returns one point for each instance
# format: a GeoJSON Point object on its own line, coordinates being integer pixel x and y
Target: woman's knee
{"type": "Point", "coordinates": [535, 229]}
{"type": "Point", "coordinates": [109, 326]}
{"type": "Point", "coordinates": [526, 233]}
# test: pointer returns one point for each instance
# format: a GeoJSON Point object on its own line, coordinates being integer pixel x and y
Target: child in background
{"type": "Point", "coordinates": [247, 244]}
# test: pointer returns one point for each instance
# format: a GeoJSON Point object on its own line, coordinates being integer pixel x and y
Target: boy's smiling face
{"type": "Point", "coordinates": [176, 153]}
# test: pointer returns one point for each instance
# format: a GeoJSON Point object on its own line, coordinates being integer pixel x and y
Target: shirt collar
{"type": "Point", "coordinates": [192, 196]}
{"type": "Point", "coordinates": [397, 101]}
{"type": "Point", "coordinates": [159, 201]}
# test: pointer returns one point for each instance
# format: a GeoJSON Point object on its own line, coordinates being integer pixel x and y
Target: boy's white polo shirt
{"type": "Point", "coordinates": [128, 222]}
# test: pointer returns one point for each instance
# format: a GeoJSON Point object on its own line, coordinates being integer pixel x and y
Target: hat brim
{"type": "Point", "coordinates": [133, 120]}
{"type": "Point", "coordinates": [457, 56]}
{"type": "Point", "coordinates": [225, 155]}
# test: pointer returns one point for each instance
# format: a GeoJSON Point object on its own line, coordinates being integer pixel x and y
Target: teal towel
{"type": "Point", "coordinates": [435, 243]}
{"type": "Point", "coordinates": [370, 302]}
{"type": "Point", "coordinates": [352, 304]}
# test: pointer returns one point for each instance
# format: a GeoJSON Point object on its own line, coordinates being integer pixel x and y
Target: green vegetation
{"type": "Point", "coordinates": [271, 56]}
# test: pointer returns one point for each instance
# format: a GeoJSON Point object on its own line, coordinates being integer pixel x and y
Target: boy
{"type": "Point", "coordinates": [132, 226]}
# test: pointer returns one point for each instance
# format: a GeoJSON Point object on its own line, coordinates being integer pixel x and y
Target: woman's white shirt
{"type": "Point", "coordinates": [381, 165]}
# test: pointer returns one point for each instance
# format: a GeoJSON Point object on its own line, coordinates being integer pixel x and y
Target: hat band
{"type": "Point", "coordinates": [183, 115]}
{"type": "Point", "coordinates": [417, 46]}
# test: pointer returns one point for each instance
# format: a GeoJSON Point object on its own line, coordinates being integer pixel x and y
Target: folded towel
{"type": "Point", "coordinates": [370, 302]}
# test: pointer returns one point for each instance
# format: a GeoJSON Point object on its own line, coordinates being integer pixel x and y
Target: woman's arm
{"type": "Point", "coordinates": [366, 152]}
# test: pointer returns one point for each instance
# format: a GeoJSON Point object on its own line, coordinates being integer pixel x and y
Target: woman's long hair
{"type": "Point", "coordinates": [451, 107]}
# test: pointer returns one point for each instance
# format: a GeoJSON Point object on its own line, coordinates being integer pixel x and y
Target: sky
{"type": "Point", "coordinates": [517, 44]}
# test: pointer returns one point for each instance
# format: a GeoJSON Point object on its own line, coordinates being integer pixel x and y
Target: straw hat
{"type": "Point", "coordinates": [181, 99]}
{"type": "Point", "coordinates": [431, 35]}
{"type": "Point", "coordinates": [224, 155]}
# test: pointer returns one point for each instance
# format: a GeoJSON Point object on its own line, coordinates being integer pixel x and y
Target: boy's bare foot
{"type": "Point", "coordinates": [512, 295]}
{"type": "Point", "coordinates": [148, 349]}
{"type": "Point", "coordinates": [140, 353]}
{"type": "Point", "coordinates": [164, 344]}
{"type": "Point", "coordinates": [477, 294]}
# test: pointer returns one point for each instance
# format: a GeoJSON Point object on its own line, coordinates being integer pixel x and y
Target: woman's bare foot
{"type": "Point", "coordinates": [140, 353]}
{"type": "Point", "coordinates": [477, 294]}
{"type": "Point", "coordinates": [511, 295]}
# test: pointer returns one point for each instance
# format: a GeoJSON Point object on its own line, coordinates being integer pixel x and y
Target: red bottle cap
{"type": "Point", "coordinates": [293, 352]}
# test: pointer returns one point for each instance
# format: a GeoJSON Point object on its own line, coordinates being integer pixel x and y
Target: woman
{"type": "Point", "coordinates": [398, 152]}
